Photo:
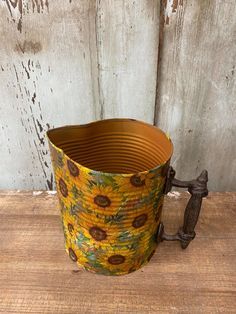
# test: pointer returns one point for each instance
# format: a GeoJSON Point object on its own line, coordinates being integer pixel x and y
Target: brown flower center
{"type": "Point", "coordinates": [116, 259]}
{"type": "Point", "coordinates": [74, 171]}
{"type": "Point", "coordinates": [63, 187]}
{"type": "Point", "coordinates": [72, 255]}
{"type": "Point", "coordinates": [136, 180]}
{"type": "Point", "coordinates": [97, 233]}
{"type": "Point", "coordinates": [139, 221]}
{"type": "Point", "coordinates": [102, 200]}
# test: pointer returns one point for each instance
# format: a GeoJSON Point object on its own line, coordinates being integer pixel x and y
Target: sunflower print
{"type": "Point", "coordinates": [140, 186]}
{"type": "Point", "coordinates": [110, 220]}
{"type": "Point", "coordinates": [77, 179]}
{"type": "Point", "coordinates": [116, 261]}
{"type": "Point", "coordinates": [104, 199]}
{"type": "Point", "coordinates": [75, 254]}
{"type": "Point", "coordinates": [70, 225]}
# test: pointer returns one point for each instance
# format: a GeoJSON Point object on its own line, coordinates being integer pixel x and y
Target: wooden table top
{"type": "Point", "coordinates": [37, 276]}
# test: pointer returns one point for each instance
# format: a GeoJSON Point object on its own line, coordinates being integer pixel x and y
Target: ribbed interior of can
{"type": "Point", "coordinates": [114, 146]}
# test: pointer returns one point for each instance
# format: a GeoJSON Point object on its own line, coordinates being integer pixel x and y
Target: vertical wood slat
{"type": "Point", "coordinates": [196, 88]}
{"type": "Point", "coordinates": [70, 62]}
{"type": "Point", "coordinates": [48, 78]}
{"type": "Point", "coordinates": [127, 52]}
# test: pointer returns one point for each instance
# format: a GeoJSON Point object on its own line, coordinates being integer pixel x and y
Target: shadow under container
{"type": "Point", "coordinates": [110, 177]}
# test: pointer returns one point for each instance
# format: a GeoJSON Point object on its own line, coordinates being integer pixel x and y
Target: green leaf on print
{"type": "Point", "coordinates": [148, 198]}
{"type": "Point", "coordinates": [75, 209]}
{"type": "Point", "coordinates": [104, 180]}
{"type": "Point", "coordinates": [91, 256]}
{"type": "Point", "coordinates": [64, 231]}
{"type": "Point", "coordinates": [124, 236]}
{"type": "Point", "coordinates": [96, 264]}
{"type": "Point", "coordinates": [75, 191]}
{"type": "Point", "coordinates": [118, 247]}
{"type": "Point", "coordinates": [114, 218]}
{"type": "Point", "coordinates": [156, 201]}
{"type": "Point", "coordinates": [110, 181]}
{"type": "Point", "coordinates": [134, 246]}
{"type": "Point", "coordinates": [81, 238]}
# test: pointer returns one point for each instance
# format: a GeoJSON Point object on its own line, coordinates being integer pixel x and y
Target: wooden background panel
{"type": "Point", "coordinates": [67, 62]}
{"type": "Point", "coordinates": [196, 88]}
{"type": "Point", "coordinates": [48, 78]}
{"type": "Point", "coordinates": [127, 52]}
{"type": "Point", "coordinates": [70, 62]}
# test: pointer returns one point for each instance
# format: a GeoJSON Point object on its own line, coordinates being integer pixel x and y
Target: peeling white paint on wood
{"type": "Point", "coordinates": [51, 192]}
{"type": "Point", "coordinates": [36, 193]}
{"type": "Point", "coordinates": [170, 8]}
{"type": "Point", "coordinates": [69, 62]}
{"type": "Point", "coordinates": [47, 80]}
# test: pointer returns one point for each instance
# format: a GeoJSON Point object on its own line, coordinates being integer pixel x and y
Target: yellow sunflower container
{"type": "Point", "coordinates": [110, 177]}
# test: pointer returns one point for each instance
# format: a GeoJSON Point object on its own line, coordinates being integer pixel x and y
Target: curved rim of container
{"type": "Point", "coordinates": [98, 172]}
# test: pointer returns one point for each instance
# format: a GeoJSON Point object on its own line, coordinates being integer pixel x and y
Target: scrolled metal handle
{"type": "Point", "coordinates": [198, 189]}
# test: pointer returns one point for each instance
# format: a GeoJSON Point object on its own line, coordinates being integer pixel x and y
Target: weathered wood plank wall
{"type": "Point", "coordinates": [196, 99]}
{"type": "Point", "coordinates": [47, 79]}
{"type": "Point", "coordinates": [128, 43]}
{"type": "Point", "coordinates": [67, 62]}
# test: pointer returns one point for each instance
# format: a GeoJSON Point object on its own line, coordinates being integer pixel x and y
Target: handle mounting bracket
{"type": "Point", "coordinates": [198, 189]}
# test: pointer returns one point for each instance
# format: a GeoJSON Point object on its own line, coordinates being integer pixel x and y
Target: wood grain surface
{"type": "Point", "coordinates": [70, 62]}
{"type": "Point", "coordinates": [127, 34]}
{"type": "Point", "coordinates": [197, 90]}
{"type": "Point", "coordinates": [48, 72]}
{"type": "Point", "coordinates": [36, 275]}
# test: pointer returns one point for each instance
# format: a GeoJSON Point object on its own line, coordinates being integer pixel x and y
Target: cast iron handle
{"type": "Point", "coordinates": [198, 189]}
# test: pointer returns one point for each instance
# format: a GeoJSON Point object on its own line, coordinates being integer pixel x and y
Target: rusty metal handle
{"type": "Point", "coordinates": [198, 189]}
